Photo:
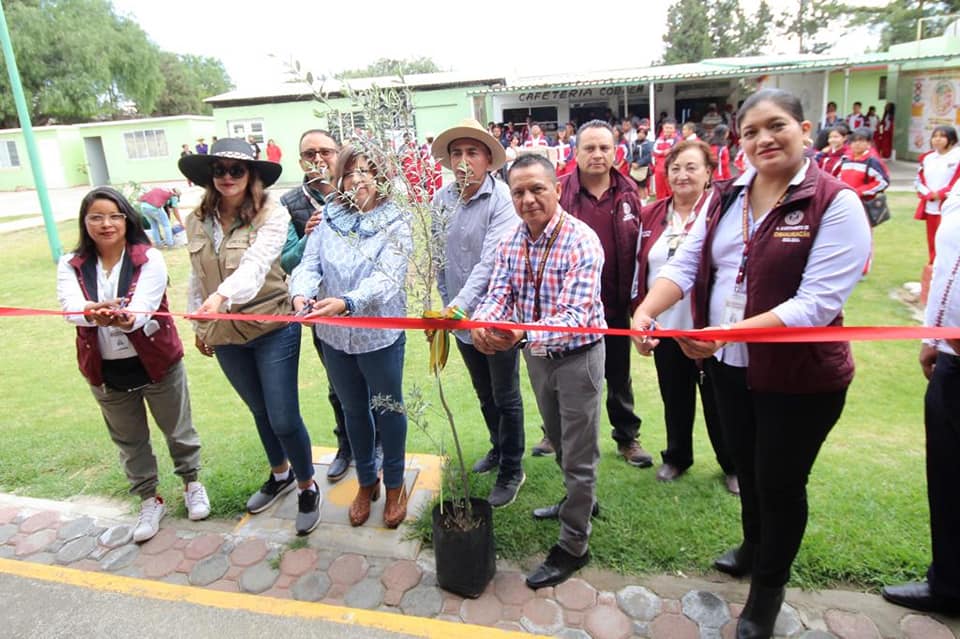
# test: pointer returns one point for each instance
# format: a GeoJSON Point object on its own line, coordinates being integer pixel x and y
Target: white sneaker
{"type": "Point", "coordinates": [196, 500]}
{"type": "Point", "coordinates": [148, 524]}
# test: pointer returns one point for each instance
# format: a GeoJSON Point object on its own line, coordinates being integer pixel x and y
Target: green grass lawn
{"type": "Point", "coordinates": [868, 524]}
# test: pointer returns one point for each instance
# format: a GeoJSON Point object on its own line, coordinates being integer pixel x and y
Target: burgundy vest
{"type": "Point", "coordinates": [626, 221]}
{"type": "Point", "coordinates": [157, 352]}
{"type": "Point", "coordinates": [653, 221]}
{"type": "Point", "coordinates": [775, 268]}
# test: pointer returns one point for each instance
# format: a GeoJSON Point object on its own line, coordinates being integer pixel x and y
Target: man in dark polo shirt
{"type": "Point", "coordinates": [609, 203]}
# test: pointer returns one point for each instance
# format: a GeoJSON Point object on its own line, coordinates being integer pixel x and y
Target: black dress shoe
{"type": "Point", "coordinates": [917, 595]}
{"type": "Point", "coordinates": [338, 467]}
{"type": "Point", "coordinates": [553, 511]}
{"type": "Point", "coordinates": [759, 615]}
{"type": "Point", "coordinates": [557, 568]}
{"type": "Point", "coordinates": [736, 562]}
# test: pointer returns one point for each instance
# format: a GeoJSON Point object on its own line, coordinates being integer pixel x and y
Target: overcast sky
{"type": "Point", "coordinates": [254, 40]}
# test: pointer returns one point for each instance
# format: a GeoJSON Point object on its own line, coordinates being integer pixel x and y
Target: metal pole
{"type": "Point", "coordinates": [826, 95]}
{"type": "Point", "coordinates": [53, 239]}
{"type": "Point", "coordinates": [626, 104]}
{"type": "Point", "coordinates": [846, 92]}
{"type": "Point", "coordinates": [653, 112]}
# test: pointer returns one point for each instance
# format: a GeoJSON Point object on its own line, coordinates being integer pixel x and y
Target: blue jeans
{"type": "Point", "coordinates": [357, 378]}
{"type": "Point", "coordinates": [158, 219]}
{"type": "Point", "coordinates": [264, 373]}
{"type": "Point", "coordinates": [496, 380]}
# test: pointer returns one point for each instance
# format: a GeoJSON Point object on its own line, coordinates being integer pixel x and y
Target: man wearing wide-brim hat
{"type": "Point", "coordinates": [472, 213]}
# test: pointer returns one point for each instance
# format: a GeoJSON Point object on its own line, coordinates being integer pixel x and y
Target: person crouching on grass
{"type": "Point", "coordinates": [131, 357]}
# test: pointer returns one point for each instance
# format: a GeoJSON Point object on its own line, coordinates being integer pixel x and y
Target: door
{"type": "Point", "coordinates": [96, 161]}
{"type": "Point", "coordinates": [52, 163]}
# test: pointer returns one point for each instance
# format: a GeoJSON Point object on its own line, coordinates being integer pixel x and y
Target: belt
{"type": "Point", "coordinates": [571, 351]}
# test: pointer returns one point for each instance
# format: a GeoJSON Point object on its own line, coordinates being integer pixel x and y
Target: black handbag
{"type": "Point", "coordinates": [877, 209]}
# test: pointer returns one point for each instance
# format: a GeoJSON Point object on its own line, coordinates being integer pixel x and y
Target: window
{"type": "Point", "coordinates": [9, 158]}
{"type": "Point", "coordinates": [248, 128]}
{"type": "Point", "coordinates": [882, 90]}
{"type": "Point", "coordinates": [149, 143]}
{"type": "Point", "coordinates": [343, 124]}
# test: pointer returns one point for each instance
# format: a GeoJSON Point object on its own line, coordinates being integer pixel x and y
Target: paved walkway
{"type": "Point", "coordinates": [396, 582]}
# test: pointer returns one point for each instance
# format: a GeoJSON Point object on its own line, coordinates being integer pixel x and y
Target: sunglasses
{"type": "Point", "coordinates": [311, 154]}
{"type": "Point", "coordinates": [236, 171]}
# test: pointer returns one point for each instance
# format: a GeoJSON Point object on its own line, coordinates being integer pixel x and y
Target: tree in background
{"type": "Point", "coordinates": [188, 80]}
{"type": "Point", "coordinates": [391, 66]}
{"type": "Point", "coordinates": [897, 20]}
{"type": "Point", "coordinates": [695, 32]}
{"type": "Point", "coordinates": [806, 21]}
{"type": "Point", "coordinates": [79, 61]}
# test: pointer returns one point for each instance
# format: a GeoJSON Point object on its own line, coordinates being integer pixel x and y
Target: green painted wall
{"type": "Point", "coordinates": [123, 169]}
{"type": "Point", "coordinates": [284, 122]}
{"type": "Point", "coordinates": [864, 87]}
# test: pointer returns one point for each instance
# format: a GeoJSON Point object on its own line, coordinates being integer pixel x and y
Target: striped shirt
{"type": "Point", "coordinates": [569, 291]}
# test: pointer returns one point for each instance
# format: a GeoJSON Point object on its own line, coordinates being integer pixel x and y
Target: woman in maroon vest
{"type": "Point", "coordinates": [664, 225]}
{"type": "Point", "coordinates": [784, 246]}
{"type": "Point", "coordinates": [131, 357]}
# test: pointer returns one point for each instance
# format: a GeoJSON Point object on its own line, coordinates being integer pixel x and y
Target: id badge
{"type": "Point", "coordinates": [734, 308]}
{"type": "Point", "coordinates": [119, 341]}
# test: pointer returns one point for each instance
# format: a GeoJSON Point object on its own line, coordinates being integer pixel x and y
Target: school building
{"type": "Point", "coordinates": [922, 79]}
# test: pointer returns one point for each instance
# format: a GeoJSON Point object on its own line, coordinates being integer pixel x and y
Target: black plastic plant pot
{"type": "Point", "coordinates": [466, 559]}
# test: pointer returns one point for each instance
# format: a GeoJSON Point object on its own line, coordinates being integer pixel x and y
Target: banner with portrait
{"type": "Point", "coordinates": [936, 101]}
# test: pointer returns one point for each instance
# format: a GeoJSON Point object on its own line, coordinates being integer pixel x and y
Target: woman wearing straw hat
{"type": "Point", "coordinates": [235, 239]}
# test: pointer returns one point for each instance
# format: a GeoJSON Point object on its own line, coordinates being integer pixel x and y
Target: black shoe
{"type": "Point", "coordinates": [917, 595]}
{"type": "Point", "coordinates": [505, 492]}
{"type": "Point", "coordinates": [308, 509]}
{"type": "Point", "coordinates": [736, 562]}
{"type": "Point", "coordinates": [759, 615]}
{"type": "Point", "coordinates": [553, 512]}
{"type": "Point", "coordinates": [489, 461]}
{"type": "Point", "coordinates": [269, 493]}
{"type": "Point", "coordinates": [339, 466]}
{"type": "Point", "coordinates": [557, 568]}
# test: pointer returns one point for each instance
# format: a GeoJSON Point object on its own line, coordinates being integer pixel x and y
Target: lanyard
{"type": "Point", "coordinates": [747, 238]}
{"type": "Point", "coordinates": [946, 293]}
{"type": "Point", "coordinates": [538, 280]}
{"type": "Point", "coordinates": [677, 239]}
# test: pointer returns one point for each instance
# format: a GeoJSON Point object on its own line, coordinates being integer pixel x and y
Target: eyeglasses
{"type": "Point", "coordinates": [236, 171]}
{"type": "Point", "coordinates": [310, 155]}
{"type": "Point", "coordinates": [358, 173]}
{"type": "Point", "coordinates": [114, 218]}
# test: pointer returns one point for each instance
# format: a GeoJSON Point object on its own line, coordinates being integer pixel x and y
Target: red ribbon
{"type": "Point", "coordinates": [767, 335]}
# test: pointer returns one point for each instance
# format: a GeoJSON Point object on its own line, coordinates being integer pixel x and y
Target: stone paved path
{"type": "Point", "coordinates": [591, 606]}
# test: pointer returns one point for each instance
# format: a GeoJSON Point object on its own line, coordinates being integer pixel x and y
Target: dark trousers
{"type": "Point", "coordinates": [942, 417]}
{"type": "Point", "coordinates": [616, 372]}
{"type": "Point", "coordinates": [775, 438]}
{"type": "Point", "coordinates": [679, 377]}
{"type": "Point", "coordinates": [496, 380]}
{"type": "Point", "coordinates": [340, 429]}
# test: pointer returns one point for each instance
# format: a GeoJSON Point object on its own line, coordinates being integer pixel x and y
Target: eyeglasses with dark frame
{"type": "Point", "coordinates": [309, 155]}
{"type": "Point", "coordinates": [236, 171]}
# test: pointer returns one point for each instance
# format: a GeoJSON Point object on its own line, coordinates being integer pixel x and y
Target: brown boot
{"type": "Point", "coordinates": [360, 508]}
{"type": "Point", "coordinates": [395, 510]}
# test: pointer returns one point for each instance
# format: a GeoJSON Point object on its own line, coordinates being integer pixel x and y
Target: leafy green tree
{"type": "Point", "coordinates": [391, 66]}
{"type": "Point", "coordinates": [897, 20]}
{"type": "Point", "coordinates": [687, 38]}
{"type": "Point", "coordinates": [806, 20]}
{"type": "Point", "coordinates": [188, 80]}
{"type": "Point", "coordinates": [80, 61]}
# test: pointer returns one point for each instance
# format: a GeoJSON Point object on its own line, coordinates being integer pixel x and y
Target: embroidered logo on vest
{"type": "Point", "coordinates": [628, 213]}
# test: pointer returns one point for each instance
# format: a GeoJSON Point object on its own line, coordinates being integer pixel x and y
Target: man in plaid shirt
{"type": "Point", "coordinates": [547, 272]}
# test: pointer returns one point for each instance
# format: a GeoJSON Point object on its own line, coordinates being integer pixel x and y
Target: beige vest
{"type": "Point", "coordinates": [212, 268]}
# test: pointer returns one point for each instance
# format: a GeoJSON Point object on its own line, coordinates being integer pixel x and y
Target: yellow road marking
{"type": "Point", "coordinates": [416, 626]}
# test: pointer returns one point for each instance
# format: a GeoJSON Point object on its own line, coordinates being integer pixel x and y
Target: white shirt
{"type": "Point", "coordinates": [146, 297]}
{"type": "Point", "coordinates": [938, 170]}
{"type": "Point", "coordinates": [946, 262]}
{"type": "Point", "coordinates": [837, 256]}
{"type": "Point", "coordinates": [680, 315]}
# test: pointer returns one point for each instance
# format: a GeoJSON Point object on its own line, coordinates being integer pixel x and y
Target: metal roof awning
{"type": "Point", "coordinates": [720, 68]}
